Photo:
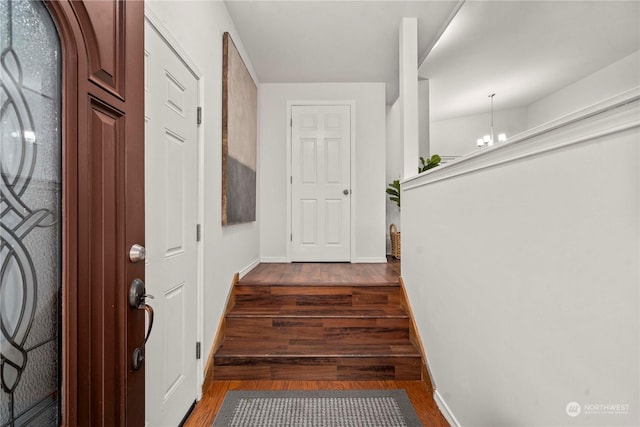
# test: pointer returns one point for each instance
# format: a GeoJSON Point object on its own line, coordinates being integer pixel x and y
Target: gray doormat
{"type": "Point", "coordinates": [326, 408]}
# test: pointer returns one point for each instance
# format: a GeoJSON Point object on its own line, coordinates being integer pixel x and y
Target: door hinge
{"type": "Point", "coordinates": [291, 237]}
{"type": "Point", "coordinates": [198, 350]}
{"type": "Point", "coordinates": [291, 122]}
{"type": "Point", "coordinates": [199, 115]}
{"type": "Point", "coordinates": [198, 232]}
{"type": "Point", "coordinates": [291, 179]}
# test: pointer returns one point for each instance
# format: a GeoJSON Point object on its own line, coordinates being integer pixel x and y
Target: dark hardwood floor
{"type": "Point", "coordinates": [317, 326]}
{"type": "Point", "coordinates": [325, 274]}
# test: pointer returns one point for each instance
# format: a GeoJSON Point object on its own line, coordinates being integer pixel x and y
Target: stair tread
{"type": "Point", "coordinates": [242, 348]}
{"type": "Point", "coordinates": [317, 312]}
{"type": "Point", "coordinates": [245, 282]}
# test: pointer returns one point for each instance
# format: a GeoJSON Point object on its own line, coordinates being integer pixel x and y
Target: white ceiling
{"type": "Point", "coordinates": [520, 50]}
{"type": "Point", "coordinates": [332, 41]}
{"type": "Point", "coordinates": [524, 50]}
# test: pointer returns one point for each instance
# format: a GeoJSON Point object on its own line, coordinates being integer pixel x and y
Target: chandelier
{"type": "Point", "coordinates": [488, 140]}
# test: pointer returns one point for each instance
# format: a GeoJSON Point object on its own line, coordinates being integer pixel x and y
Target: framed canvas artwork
{"type": "Point", "coordinates": [239, 137]}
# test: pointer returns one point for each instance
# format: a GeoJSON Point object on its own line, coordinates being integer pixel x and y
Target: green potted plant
{"type": "Point", "coordinates": [393, 190]}
{"type": "Point", "coordinates": [430, 163]}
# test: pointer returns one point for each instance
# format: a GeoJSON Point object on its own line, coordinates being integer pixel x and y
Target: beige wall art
{"type": "Point", "coordinates": [239, 138]}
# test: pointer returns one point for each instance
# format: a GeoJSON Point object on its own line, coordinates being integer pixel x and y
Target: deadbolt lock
{"type": "Point", "coordinates": [137, 253]}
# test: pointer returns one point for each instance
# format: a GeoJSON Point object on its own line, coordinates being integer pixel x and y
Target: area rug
{"type": "Point", "coordinates": [326, 408]}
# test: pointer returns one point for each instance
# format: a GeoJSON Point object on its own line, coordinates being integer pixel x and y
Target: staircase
{"type": "Point", "coordinates": [298, 331]}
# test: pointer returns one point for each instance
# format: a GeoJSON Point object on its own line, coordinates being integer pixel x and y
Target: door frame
{"type": "Point", "coordinates": [91, 83]}
{"type": "Point", "coordinates": [352, 142]}
{"type": "Point", "coordinates": [151, 18]}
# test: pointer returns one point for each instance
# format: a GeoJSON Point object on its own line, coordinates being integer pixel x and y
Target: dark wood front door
{"type": "Point", "coordinates": [103, 209]}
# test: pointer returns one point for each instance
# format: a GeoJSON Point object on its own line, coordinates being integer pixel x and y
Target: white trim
{"type": "Point", "coordinates": [370, 260]}
{"type": "Point", "coordinates": [200, 244]}
{"type": "Point", "coordinates": [354, 191]}
{"type": "Point", "coordinates": [274, 259]}
{"type": "Point", "coordinates": [248, 268]}
{"type": "Point", "coordinates": [445, 410]}
{"type": "Point", "coordinates": [162, 30]}
{"type": "Point", "coordinates": [613, 115]}
{"type": "Point", "coordinates": [289, 175]}
{"type": "Point", "coordinates": [352, 105]}
{"type": "Point", "coordinates": [159, 27]}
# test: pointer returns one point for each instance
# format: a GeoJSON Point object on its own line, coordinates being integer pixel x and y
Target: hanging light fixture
{"type": "Point", "coordinates": [488, 140]}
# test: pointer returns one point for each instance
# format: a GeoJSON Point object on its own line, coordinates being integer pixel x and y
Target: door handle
{"type": "Point", "coordinates": [345, 191]}
{"type": "Point", "coordinates": [137, 299]}
{"type": "Point", "coordinates": [149, 310]}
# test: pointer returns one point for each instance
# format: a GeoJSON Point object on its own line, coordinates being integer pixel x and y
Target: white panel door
{"type": "Point", "coordinates": [320, 183]}
{"type": "Point", "coordinates": [171, 191]}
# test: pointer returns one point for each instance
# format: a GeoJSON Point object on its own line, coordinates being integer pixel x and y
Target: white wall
{"type": "Point", "coordinates": [424, 119]}
{"type": "Point", "coordinates": [458, 136]}
{"type": "Point", "coordinates": [524, 277]}
{"type": "Point", "coordinates": [409, 94]}
{"type": "Point", "coordinates": [198, 27]}
{"type": "Point", "coordinates": [394, 163]}
{"type": "Point", "coordinates": [610, 81]}
{"type": "Point", "coordinates": [369, 188]}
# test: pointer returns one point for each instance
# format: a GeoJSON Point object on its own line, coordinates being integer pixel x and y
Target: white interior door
{"type": "Point", "coordinates": [320, 183]}
{"type": "Point", "coordinates": [171, 191]}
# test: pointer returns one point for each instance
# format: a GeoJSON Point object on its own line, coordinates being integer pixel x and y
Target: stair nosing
{"type": "Point", "coordinates": [313, 316]}
{"type": "Point", "coordinates": [327, 285]}
{"type": "Point", "coordinates": [314, 356]}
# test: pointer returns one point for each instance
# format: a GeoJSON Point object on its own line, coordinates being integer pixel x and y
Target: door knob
{"type": "Point", "coordinates": [137, 253]}
{"type": "Point", "coordinates": [345, 192]}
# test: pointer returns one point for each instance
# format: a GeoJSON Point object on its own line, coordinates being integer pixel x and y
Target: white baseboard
{"type": "Point", "coordinates": [370, 260]}
{"type": "Point", "coordinates": [248, 268]}
{"type": "Point", "coordinates": [274, 259]}
{"type": "Point", "coordinates": [445, 410]}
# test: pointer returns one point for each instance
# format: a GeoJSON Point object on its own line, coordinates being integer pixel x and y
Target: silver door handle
{"type": "Point", "coordinates": [137, 253]}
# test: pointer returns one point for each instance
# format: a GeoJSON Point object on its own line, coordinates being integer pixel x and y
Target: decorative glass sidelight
{"type": "Point", "coordinates": [30, 213]}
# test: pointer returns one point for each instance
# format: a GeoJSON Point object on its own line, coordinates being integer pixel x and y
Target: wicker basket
{"type": "Point", "coordinates": [395, 241]}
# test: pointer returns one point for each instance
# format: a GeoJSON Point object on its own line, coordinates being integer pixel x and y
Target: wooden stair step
{"type": "Point", "coordinates": [262, 295]}
{"type": "Point", "coordinates": [323, 274]}
{"type": "Point", "coordinates": [338, 330]}
{"type": "Point", "coordinates": [316, 322]}
{"type": "Point", "coordinates": [300, 349]}
{"type": "Point", "coordinates": [320, 284]}
{"type": "Point", "coordinates": [318, 368]}
{"type": "Point", "coordinates": [318, 312]}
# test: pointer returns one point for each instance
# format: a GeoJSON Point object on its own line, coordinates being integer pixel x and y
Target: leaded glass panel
{"type": "Point", "coordinates": [30, 213]}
